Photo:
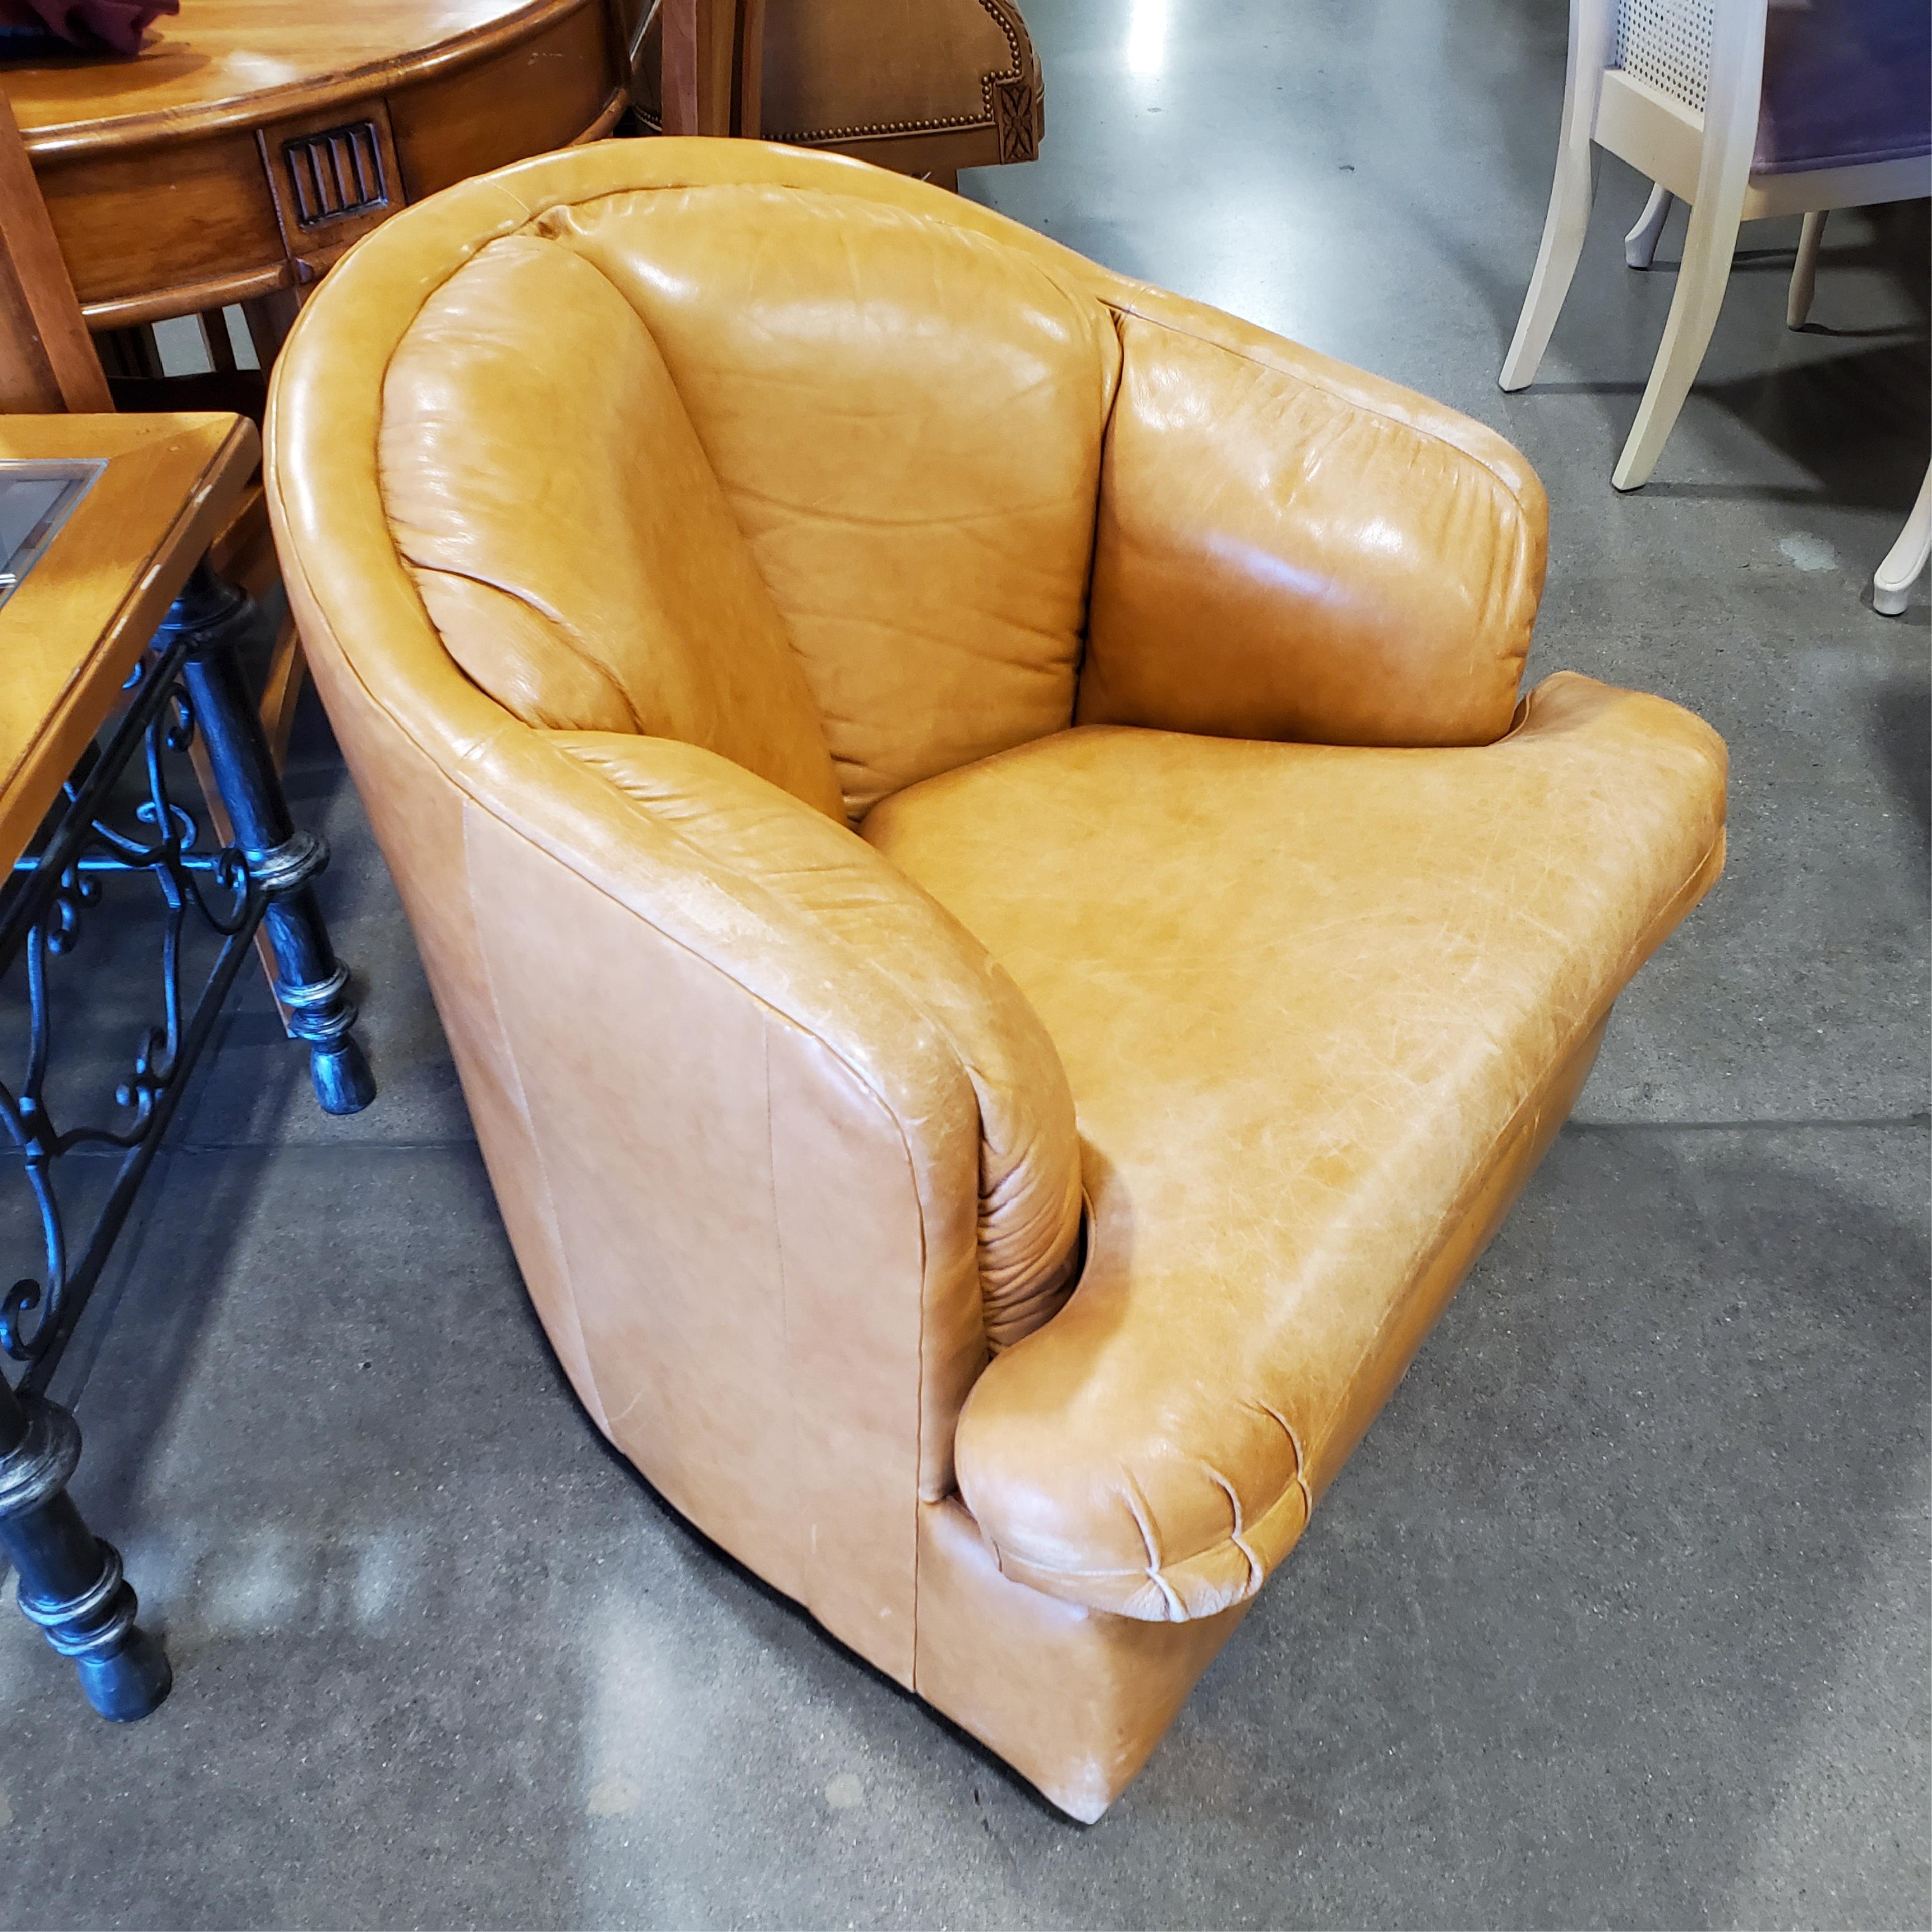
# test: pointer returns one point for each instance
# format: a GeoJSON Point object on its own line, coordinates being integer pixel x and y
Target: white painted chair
{"type": "Point", "coordinates": [1905, 563]}
{"type": "Point", "coordinates": [1682, 90]}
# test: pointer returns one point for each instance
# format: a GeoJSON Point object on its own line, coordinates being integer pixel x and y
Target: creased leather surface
{"type": "Point", "coordinates": [653, 617]}
{"type": "Point", "coordinates": [1275, 559]}
{"type": "Point", "coordinates": [1303, 993]}
{"type": "Point", "coordinates": [1029, 1157]}
{"type": "Point", "coordinates": [906, 418]}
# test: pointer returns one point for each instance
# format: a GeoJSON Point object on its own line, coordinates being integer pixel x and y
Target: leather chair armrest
{"type": "Point", "coordinates": [744, 1168]}
{"type": "Point", "coordinates": [1290, 549]}
{"type": "Point", "coordinates": [826, 893]}
{"type": "Point", "coordinates": [790, 926]}
{"type": "Point", "coordinates": [776, 1162]}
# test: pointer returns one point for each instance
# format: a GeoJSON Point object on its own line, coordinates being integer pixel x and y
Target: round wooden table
{"type": "Point", "coordinates": [251, 141]}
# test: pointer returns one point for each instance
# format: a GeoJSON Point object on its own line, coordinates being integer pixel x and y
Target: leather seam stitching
{"type": "Point", "coordinates": [530, 1125]}
{"type": "Point", "coordinates": [1099, 508]}
{"type": "Point", "coordinates": [779, 1259]}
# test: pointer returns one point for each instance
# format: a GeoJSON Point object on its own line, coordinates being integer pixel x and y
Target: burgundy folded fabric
{"type": "Point", "coordinates": [117, 24]}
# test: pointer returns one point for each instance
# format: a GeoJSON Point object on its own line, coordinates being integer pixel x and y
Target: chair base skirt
{"type": "Point", "coordinates": [1074, 1699]}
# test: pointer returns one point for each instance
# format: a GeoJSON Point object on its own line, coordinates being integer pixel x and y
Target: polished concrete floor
{"type": "Point", "coordinates": [1619, 1617]}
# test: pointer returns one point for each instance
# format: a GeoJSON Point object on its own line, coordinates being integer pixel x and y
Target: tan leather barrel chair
{"type": "Point", "coordinates": [887, 733]}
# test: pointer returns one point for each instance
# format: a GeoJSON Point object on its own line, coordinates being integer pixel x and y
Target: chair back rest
{"type": "Point", "coordinates": [775, 471]}
{"type": "Point", "coordinates": [1667, 43]}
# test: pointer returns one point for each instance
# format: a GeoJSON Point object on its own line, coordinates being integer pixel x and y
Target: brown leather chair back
{"type": "Point", "coordinates": [926, 87]}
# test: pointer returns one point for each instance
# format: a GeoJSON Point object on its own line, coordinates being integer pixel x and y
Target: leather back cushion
{"type": "Point", "coordinates": [1250, 580]}
{"type": "Point", "coordinates": [906, 419]}
{"type": "Point", "coordinates": [545, 487]}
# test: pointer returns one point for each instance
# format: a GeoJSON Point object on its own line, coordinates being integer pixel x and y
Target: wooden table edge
{"type": "Point", "coordinates": [65, 140]}
{"type": "Point", "coordinates": [28, 790]}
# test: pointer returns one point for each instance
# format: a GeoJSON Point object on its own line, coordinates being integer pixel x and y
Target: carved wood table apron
{"type": "Point", "coordinates": [251, 141]}
{"type": "Point", "coordinates": [118, 660]}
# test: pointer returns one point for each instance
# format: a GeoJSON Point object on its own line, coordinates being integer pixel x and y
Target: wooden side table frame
{"type": "Point", "coordinates": [248, 144]}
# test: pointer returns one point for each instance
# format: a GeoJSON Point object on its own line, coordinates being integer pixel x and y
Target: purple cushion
{"type": "Point", "coordinates": [1845, 81]}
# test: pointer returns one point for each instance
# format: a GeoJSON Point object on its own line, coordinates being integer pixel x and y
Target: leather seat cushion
{"type": "Point", "coordinates": [1306, 996]}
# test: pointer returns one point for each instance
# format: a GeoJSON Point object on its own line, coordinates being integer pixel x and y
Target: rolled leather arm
{"type": "Point", "coordinates": [729, 1108]}
{"type": "Point", "coordinates": [735, 1080]}
{"type": "Point", "coordinates": [827, 890]}
{"type": "Point", "coordinates": [1290, 549]}
{"type": "Point", "coordinates": [1157, 1448]}
{"type": "Point", "coordinates": [932, 1089]}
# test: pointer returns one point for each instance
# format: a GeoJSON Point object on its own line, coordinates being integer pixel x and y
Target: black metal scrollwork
{"type": "Point", "coordinates": [96, 837]}
{"type": "Point", "coordinates": [187, 693]}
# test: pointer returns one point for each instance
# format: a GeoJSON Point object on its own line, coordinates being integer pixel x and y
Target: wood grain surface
{"type": "Point", "coordinates": [251, 141]}
{"type": "Point", "coordinates": [74, 628]}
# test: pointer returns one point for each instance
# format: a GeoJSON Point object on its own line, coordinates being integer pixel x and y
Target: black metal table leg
{"type": "Point", "coordinates": [211, 615]}
{"type": "Point", "coordinates": [191, 682]}
{"type": "Point", "coordinates": [70, 1582]}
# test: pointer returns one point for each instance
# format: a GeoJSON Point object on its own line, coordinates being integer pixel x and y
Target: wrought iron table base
{"type": "Point", "coordinates": [212, 615]}
{"type": "Point", "coordinates": [70, 1582]}
{"type": "Point", "coordinates": [191, 682]}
